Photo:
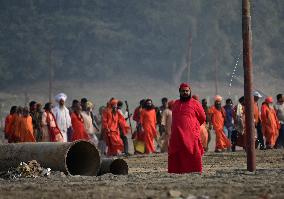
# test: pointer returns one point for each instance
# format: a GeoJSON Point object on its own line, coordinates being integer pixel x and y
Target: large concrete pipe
{"type": "Point", "coordinates": [74, 158]}
{"type": "Point", "coordinates": [114, 166]}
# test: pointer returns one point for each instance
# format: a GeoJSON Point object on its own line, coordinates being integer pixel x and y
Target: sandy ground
{"type": "Point", "coordinates": [224, 176]}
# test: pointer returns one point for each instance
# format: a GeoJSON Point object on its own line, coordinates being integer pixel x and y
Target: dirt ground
{"type": "Point", "coordinates": [224, 176]}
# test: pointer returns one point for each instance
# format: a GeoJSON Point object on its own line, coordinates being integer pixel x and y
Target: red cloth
{"type": "Point", "coordinates": [136, 114]}
{"type": "Point", "coordinates": [79, 132]}
{"type": "Point", "coordinates": [185, 148]}
{"type": "Point", "coordinates": [8, 121]}
{"type": "Point", "coordinates": [148, 121]}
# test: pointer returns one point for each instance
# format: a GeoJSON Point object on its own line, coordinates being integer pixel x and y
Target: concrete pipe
{"type": "Point", "coordinates": [74, 158]}
{"type": "Point", "coordinates": [114, 166]}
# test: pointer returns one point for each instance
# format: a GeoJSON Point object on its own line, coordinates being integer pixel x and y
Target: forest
{"type": "Point", "coordinates": [96, 39]}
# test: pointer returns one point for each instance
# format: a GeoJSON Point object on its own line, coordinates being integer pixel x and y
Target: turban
{"type": "Point", "coordinates": [89, 104]}
{"type": "Point", "coordinates": [269, 100]}
{"type": "Point", "coordinates": [218, 98]}
{"type": "Point", "coordinates": [256, 94]}
{"type": "Point", "coordinates": [60, 96]}
{"type": "Point", "coordinates": [184, 85]}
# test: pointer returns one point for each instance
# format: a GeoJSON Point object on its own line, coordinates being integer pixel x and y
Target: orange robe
{"type": "Point", "coordinates": [148, 121]}
{"type": "Point", "coordinates": [255, 113]}
{"type": "Point", "coordinates": [15, 128]}
{"type": "Point", "coordinates": [24, 129]}
{"type": "Point", "coordinates": [110, 127]}
{"type": "Point", "coordinates": [270, 125]}
{"type": "Point", "coordinates": [79, 132]}
{"type": "Point", "coordinates": [7, 130]}
{"type": "Point", "coordinates": [204, 136]}
{"type": "Point", "coordinates": [217, 119]}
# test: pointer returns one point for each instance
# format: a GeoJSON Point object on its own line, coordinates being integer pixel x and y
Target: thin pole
{"type": "Point", "coordinates": [189, 56]}
{"type": "Point", "coordinates": [248, 79]}
{"type": "Point", "coordinates": [216, 72]}
{"type": "Point", "coordinates": [50, 74]}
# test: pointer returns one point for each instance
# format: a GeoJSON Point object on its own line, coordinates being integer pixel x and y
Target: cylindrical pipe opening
{"type": "Point", "coordinates": [83, 158]}
{"type": "Point", "coordinates": [114, 166]}
{"type": "Point", "coordinates": [119, 167]}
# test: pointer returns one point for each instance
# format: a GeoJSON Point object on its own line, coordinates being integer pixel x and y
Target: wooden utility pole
{"type": "Point", "coordinates": [248, 79]}
{"type": "Point", "coordinates": [50, 72]}
{"type": "Point", "coordinates": [189, 56]}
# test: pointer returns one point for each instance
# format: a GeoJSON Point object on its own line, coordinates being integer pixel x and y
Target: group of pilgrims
{"type": "Point", "coordinates": [110, 128]}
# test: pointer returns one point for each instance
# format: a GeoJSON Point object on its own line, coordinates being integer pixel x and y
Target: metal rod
{"type": "Point", "coordinates": [248, 80]}
{"type": "Point", "coordinates": [50, 72]}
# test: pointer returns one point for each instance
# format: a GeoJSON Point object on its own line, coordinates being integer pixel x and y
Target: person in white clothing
{"type": "Point", "coordinates": [61, 114]}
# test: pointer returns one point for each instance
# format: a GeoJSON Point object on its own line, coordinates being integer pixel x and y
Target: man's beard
{"type": "Point", "coordinates": [149, 107]}
{"type": "Point", "coordinates": [185, 99]}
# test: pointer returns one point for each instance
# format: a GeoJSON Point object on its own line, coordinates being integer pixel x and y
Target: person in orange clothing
{"type": "Point", "coordinates": [218, 116]}
{"type": "Point", "coordinates": [111, 122]}
{"type": "Point", "coordinates": [79, 132]}
{"type": "Point", "coordinates": [204, 136]}
{"type": "Point", "coordinates": [25, 127]}
{"type": "Point", "coordinates": [8, 123]}
{"type": "Point", "coordinates": [148, 122]}
{"type": "Point", "coordinates": [270, 123]}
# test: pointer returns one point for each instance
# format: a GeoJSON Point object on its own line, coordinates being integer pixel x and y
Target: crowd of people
{"type": "Point", "coordinates": [109, 128]}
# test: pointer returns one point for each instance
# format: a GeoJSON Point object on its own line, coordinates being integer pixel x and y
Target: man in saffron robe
{"type": "Point", "coordinates": [148, 122]}
{"type": "Point", "coordinates": [218, 116]}
{"type": "Point", "coordinates": [8, 123]}
{"type": "Point", "coordinates": [79, 131]}
{"type": "Point", "coordinates": [111, 122]}
{"type": "Point", "coordinates": [185, 148]}
{"type": "Point", "coordinates": [270, 123]}
{"type": "Point", "coordinates": [26, 131]}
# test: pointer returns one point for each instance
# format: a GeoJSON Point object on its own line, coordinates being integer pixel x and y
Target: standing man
{"type": "Point", "coordinates": [36, 120]}
{"type": "Point", "coordinates": [218, 116]}
{"type": "Point", "coordinates": [270, 123]}
{"type": "Point", "coordinates": [185, 148]}
{"type": "Point", "coordinates": [279, 108]}
{"type": "Point", "coordinates": [148, 122]}
{"type": "Point", "coordinates": [112, 121]}
{"type": "Point", "coordinates": [257, 121]}
{"type": "Point", "coordinates": [61, 114]}
{"type": "Point", "coordinates": [229, 117]}
{"type": "Point", "coordinates": [122, 134]}
{"type": "Point", "coordinates": [207, 122]}
{"type": "Point", "coordinates": [159, 115]}
{"type": "Point", "coordinates": [167, 124]}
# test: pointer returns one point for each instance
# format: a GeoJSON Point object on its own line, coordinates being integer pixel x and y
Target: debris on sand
{"type": "Point", "coordinates": [174, 194]}
{"type": "Point", "coordinates": [32, 169]}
